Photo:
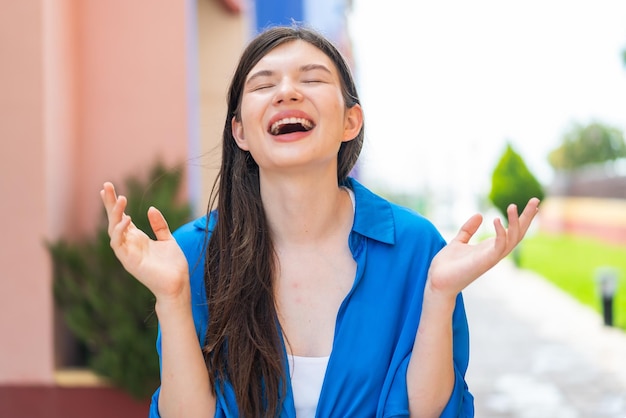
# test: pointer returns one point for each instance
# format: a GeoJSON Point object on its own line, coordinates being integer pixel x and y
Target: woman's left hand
{"type": "Point", "coordinates": [459, 263]}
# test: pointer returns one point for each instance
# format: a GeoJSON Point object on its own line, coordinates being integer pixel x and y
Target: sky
{"type": "Point", "coordinates": [445, 84]}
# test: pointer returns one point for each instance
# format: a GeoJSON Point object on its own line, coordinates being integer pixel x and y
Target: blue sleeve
{"type": "Point", "coordinates": [154, 405]}
{"type": "Point", "coordinates": [461, 402]}
{"type": "Point", "coordinates": [191, 239]}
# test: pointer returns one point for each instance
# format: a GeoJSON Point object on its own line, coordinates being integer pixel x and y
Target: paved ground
{"type": "Point", "coordinates": [536, 353]}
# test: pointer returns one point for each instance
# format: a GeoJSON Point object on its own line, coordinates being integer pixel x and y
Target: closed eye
{"type": "Point", "coordinates": [261, 87]}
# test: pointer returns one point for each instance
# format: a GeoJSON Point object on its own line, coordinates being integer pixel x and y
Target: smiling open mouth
{"type": "Point", "coordinates": [289, 125]}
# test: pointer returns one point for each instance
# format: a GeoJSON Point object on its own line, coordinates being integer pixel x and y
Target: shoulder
{"type": "Point", "coordinates": [195, 233]}
{"type": "Point", "coordinates": [409, 221]}
{"type": "Point", "coordinates": [380, 219]}
{"type": "Point", "coordinates": [193, 238]}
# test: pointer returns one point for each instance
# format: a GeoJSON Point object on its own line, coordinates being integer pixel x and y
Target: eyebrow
{"type": "Point", "coordinates": [311, 67]}
{"type": "Point", "coordinates": [262, 73]}
{"type": "Point", "coordinates": [302, 69]}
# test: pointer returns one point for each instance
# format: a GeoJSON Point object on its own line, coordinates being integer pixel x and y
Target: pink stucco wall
{"type": "Point", "coordinates": [24, 279]}
{"type": "Point", "coordinates": [91, 91]}
{"type": "Point", "coordinates": [132, 92]}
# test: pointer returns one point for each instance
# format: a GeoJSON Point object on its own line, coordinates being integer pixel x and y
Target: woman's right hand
{"type": "Point", "coordinates": [160, 265]}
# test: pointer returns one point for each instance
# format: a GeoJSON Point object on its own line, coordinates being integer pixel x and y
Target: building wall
{"type": "Point", "coordinates": [91, 91]}
{"type": "Point", "coordinates": [221, 39]}
{"type": "Point", "coordinates": [588, 201]}
{"type": "Point", "coordinates": [26, 353]}
{"type": "Point", "coordinates": [132, 95]}
{"type": "Point", "coordinates": [599, 218]}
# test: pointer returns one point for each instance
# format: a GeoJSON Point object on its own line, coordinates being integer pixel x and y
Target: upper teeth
{"type": "Point", "coordinates": [286, 121]}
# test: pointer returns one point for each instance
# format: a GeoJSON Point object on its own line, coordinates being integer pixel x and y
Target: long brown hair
{"type": "Point", "coordinates": [243, 341]}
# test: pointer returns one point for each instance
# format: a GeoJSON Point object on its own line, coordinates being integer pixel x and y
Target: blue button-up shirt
{"type": "Point", "coordinates": [376, 323]}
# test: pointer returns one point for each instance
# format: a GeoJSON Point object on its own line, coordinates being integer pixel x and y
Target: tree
{"type": "Point", "coordinates": [107, 310]}
{"type": "Point", "coordinates": [512, 182]}
{"type": "Point", "coordinates": [582, 145]}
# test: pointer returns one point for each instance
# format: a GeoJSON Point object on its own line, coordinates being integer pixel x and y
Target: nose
{"type": "Point", "coordinates": [287, 91]}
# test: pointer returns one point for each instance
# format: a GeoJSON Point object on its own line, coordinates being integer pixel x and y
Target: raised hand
{"type": "Point", "coordinates": [160, 265]}
{"type": "Point", "coordinates": [459, 263]}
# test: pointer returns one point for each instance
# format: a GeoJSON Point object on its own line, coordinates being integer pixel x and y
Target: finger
{"type": "Point", "coordinates": [114, 205]}
{"type": "Point", "coordinates": [108, 196]}
{"type": "Point", "coordinates": [159, 224]}
{"type": "Point", "coordinates": [118, 232]}
{"type": "Point", "coordinates": [531, 209]}
{"type": "Point", "coordinates": [500, 242]}
{"type": "Point", "coordinates": [513, 229]}
{"type": "Point", "coordinates": [517, 233]}
{"type": "Point", "coordinates": [116, 213]}
{"type": "Point", "coordinates": [469, 228]}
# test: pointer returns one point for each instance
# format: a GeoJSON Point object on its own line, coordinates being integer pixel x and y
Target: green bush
{"type": "Point", "coordinates": [106, 309]}
{"type": "Point", "coordinates": [512, 182]}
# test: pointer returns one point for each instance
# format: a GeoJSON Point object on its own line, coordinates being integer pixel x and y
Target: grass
{"type": "Point", "coordinates": [570, 262]}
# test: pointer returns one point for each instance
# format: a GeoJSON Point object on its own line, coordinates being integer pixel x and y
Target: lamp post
{"type": "Point", "coordinates": [606, 278]}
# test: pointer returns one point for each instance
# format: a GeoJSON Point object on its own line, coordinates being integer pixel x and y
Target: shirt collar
{"type": "Point", "coordinates": [201, 222]}
{"type": "Point", "coordinates": [373, 215]}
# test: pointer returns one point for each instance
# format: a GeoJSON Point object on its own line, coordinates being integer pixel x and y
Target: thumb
{"type": "Point", "coordinates": [159, 224]}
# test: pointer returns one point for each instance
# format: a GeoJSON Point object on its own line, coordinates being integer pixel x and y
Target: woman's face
{"type": "Point", "coordinates": [293, 115]}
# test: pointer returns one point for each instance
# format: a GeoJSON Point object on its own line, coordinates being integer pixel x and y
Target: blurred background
{"type": "Point", "coordinates": [468, 105]}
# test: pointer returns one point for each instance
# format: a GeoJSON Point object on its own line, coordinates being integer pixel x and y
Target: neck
{"type": "Point", "coordinates": [306, 210]}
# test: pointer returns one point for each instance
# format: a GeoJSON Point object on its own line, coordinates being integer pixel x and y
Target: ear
{"type": "Point", "coordinates": [237, 129]}
{"type": "Point", "coordinates": [353, 122]}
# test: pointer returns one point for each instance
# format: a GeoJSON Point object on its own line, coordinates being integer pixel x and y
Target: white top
{"type": "Point", "coordinates": [307, 377]}
{"type": "Point", "coordinates": [352, 198]}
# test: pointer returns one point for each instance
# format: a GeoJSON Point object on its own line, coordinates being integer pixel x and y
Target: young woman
{"type": "Point", "coordinates": [304, 294]}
